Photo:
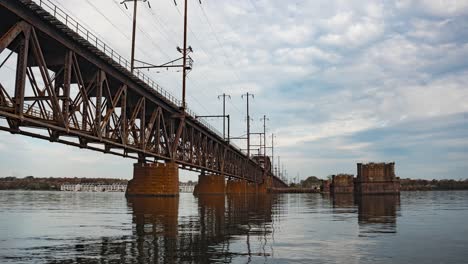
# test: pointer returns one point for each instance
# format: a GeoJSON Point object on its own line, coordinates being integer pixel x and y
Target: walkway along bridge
{"type": "Point", "coordinates": [73, 89]}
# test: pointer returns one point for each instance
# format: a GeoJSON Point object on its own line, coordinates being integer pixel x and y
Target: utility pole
{"type": "Point", "coordinates": [264, 140]}
{"type": "Point", "coordinates": [184, 53]}
{"type": "Point", "coordinates": [248, 122]}
{"type": "Point", "coordinates": [264, 119]}
{"type": "Point", "coordinates": [219, 116]}
{"type": "Point", "coordinates": [187, 61]}
{"type": "Point", "coordinates": [135, 5]}
{"type": "Point", "coordinates": [272, 150]}
{"type": "Point", "coordinates": [132, 64]}
{"type": "Point", "coordinates": [224, 112]}
{"type": "Point", "coordinates": [279, 167]}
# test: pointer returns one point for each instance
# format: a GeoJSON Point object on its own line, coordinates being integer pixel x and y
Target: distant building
{"type": "Point", "coordinates": [70, 187]}
{"type": "Point", "coordinates": [187, 187]}
{"type": "Point", "coordinates": [94, 187]}
{"type": "Point", "coordinates": [377, 178]}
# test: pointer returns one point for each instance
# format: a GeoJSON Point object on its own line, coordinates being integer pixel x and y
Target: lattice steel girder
{"type": "Point", "coordinates": [74, 90]}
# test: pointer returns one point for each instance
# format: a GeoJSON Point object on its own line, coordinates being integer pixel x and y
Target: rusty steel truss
{"type": "Point", "coordinates": [68, 90]}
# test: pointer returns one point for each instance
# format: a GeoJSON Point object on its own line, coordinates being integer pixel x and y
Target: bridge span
{"type": "Point", "coordinates": [72, 88]}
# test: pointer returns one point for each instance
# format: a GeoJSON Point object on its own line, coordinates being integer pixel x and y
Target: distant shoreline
{"type": "Point", "coordinates": [433, 185]}
{"type": "Point", "coordinates": [31, 183]}
{"type": "Point", "coordinates": [50, 184]}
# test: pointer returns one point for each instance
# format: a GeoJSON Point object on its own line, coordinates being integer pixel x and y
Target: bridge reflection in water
{"type": "Point", "coordinates": [217, 228]}
{"type": "Point", "coordinates": [161, 238]}
{"type": "Point", "coordinates": [225, 223]}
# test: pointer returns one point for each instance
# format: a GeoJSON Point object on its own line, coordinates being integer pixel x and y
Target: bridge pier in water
{"type": "Point", "coordinates": [86, 96]}
{"type": "Point", "coordinates": [237, 186]}
{"type": "Point", "coordinates": [210, 184]}
{"type": "Point", "coordinates": [216, 184]}
{"type": "Point", "coordinates": [154, 179]}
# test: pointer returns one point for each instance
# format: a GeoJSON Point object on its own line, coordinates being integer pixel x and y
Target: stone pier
{"type": "Point", "coordinates": [154, 179]}
{"type": "Point", "coordinates": [237, 186]}
{"type": "Point", "coordinates": [325, 187]}
{"type": "Point", "coordinates": [377, 178]}
{"type": "Point", "coordinates": [210, 184]}
{"type": "Point", "coordinates": [265, 186]}
{"type": "Point", "coordinates": [342, 183]}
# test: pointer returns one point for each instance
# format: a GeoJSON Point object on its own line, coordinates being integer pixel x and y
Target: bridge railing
{"type": "Point", "coordinates": [75, 26]}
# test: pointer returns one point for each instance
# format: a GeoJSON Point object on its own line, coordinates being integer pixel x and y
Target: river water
{"type": "Point", "coordinates": [60, 227]}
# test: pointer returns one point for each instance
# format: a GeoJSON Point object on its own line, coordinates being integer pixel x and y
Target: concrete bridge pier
{"type": "Point", "coordinates": [216, 184]}
{"type": "Point", "coordinates": [154, 179]}
{"type": "Point", "coordinates": [210, 184]}
{"type": "Point", "coordinates": [265, 186]}
{"type": "Point", "coordinates": [237, 186]}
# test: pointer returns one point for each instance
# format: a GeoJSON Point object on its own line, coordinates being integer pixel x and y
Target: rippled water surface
{"type": "Point", "coordinates": [59, 227]}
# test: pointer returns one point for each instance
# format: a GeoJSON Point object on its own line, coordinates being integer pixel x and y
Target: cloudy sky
{"type": "Point", "coordinates": [340, 81]}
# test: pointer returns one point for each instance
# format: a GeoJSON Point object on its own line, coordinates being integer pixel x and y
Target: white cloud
{"type": "Point", "coordinates": [291, 34]}
{"type": "Point", "coordinates": [339, 125]}
{"type": "Point", "coordinates": [319, 69]}
{"type": "Point", "coordinates": [305, 55]}
{"type": "Point", "coordinates": [339, 21]}
{"type": "Point", "coordinates": [356, 34]}
{"type": "Point", "coordinates": [444, 8]}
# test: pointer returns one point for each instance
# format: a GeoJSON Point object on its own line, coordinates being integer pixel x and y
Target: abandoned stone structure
{"type": "Point", "coordinates": [342, 183]}
{"type": "Point", "coordinates": [325, 188]}
{"type": "Point", "coordinates": [376, 178]}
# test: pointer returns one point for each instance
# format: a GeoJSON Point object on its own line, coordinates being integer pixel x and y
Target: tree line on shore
{"type": "Point", "coordinates": [32, 183]}
{"type": "Point", "coordinates": [428, 185]}
{"type": "Point", "coordinates": [49, 184]}
{"type": "Point", "coordinates": [406, 184]}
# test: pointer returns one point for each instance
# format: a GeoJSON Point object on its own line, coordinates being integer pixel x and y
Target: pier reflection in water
{"type": "Point", "coordinates": [58, 227]}
{"type": "Point", "coordinates": [376, 213]}
{"type": "Point", "coordinates": [222, 220]}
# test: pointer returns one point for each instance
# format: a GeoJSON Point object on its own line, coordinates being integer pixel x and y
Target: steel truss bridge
{"type": "Point", "coordinates": [72, 88]}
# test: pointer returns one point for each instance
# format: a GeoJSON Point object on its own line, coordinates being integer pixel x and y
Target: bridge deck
{"type": "Point", "coordinates": [74, 89]}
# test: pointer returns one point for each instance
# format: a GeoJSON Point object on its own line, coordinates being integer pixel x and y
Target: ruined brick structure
{"type": "Point", "coordinates": [342, 183]}
{"type": "Point", "coordinates": [325, 188]}
{"type": "Point", "coordinates": [377, 178]}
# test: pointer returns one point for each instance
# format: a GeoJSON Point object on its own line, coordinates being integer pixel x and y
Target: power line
{"type": "Point", "coordinates": [256, 9]}
{"type": "Point", "coordinates": [143, 31]}
{"type": "Point", "coordinates": [159, 21]}
{"type": "Point", "coordinates": [219, 42]}
{"type": "Point", "coordinates": [247, 95]}
{"type": "Point", "coordinates": [211, 58]}
{"type": "Point", "coordinates": [154, 20]}
{"type": "Point", "coordinates": [224, 95]}
{"type": "Point", "coordinates": [108, 20]}
{"type": "Point", "coordinates": [223, 51]}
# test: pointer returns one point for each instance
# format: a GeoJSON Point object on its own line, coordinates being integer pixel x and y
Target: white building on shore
{"type": "Point", "coordinates": [94, 187]}
{"type": "Point", "coordinates": [186, 187]}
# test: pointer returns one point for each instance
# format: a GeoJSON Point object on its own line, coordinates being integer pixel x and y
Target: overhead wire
{"type": "Point", "coordinates": [142, 31]}
{"type": "Point", "coordinates": [159, 47]}
{"type": "Point", "coordinates": [113, 24]}
{"type": "Point", "coordinates": [159, 21]}
{"type": "Point", "coordinates": [219, 42]}
{"type": "Point", "coordinates": [227, 62]}
{"type": "Point", "coordinates": [254, 6]}
{"type": "Point", "coordinates": [151, 39]}
{"type": "Point", "coordinates": [108, 20]}
{"type": "Point", "coordinates": [208, 55]}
